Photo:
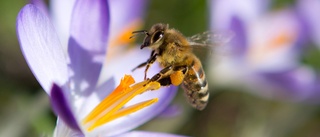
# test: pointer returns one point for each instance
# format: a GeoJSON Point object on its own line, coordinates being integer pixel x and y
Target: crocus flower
{"type": "Point", "coordinates": [71, 78]}
{"type": "Point", "coordinates": [265, 50]}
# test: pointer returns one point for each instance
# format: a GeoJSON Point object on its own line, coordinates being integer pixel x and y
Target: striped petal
{"type": "Point", "coordinates": [41, 47]}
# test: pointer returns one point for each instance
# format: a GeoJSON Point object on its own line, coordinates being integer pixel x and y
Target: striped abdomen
{"type": "Point", "coordinates": [195, 86]}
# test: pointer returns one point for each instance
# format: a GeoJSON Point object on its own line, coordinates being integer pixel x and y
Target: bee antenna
{"type": "Point", "coordinates": [136, 33]}
{"type": "Point", "coordinates": [140, 31]}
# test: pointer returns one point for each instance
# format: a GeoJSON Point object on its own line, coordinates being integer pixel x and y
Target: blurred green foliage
{"type": "Point", "coordinates": [25, 109]}
{"type": "Point", "coordinates": [311, 57]}
{"type": "Point", "coordinates": [180, 14]}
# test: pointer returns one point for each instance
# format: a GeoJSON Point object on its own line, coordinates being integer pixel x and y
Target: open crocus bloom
{"type": "Point", "coordinates": [71, 78]}
{"type": "Point", "coordinates": [265, 50]}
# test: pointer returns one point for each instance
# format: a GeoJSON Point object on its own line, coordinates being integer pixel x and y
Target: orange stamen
{"type": "Point", "coordinates": [132, 109]}
{"type": "Point", "coordinates": [116, 94]}
{"type": "Point", "coordinates": [112, 106]}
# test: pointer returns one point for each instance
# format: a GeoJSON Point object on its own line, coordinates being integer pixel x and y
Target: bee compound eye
{"type": "Point", "coordinates": [158, 35]}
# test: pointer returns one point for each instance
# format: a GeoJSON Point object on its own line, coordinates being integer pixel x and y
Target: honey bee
{"type": "Point", "coordinates": [180, 65]}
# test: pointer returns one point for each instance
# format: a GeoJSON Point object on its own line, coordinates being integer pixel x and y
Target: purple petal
{"type": "Point", "coordinates": [171, 111]}
{"type": "Point", "coordinates": [41, 47]}
{"type": "Point", "coordinates": [130, 10]}
{"type": "Point", "coordinates": [222, 11]}
{"type": "Point", "coordinates": [240, 40]}
{"type": "Point", "coordinates": [299, 84]}
{"type": "Point", "coordinates": [309, 11]}
{"type": "Point", "coordinates": [88, 42]}
{"type": "Point", "coordinates": [62, 130]}
{"type": "Point", "coordinates": [105, 88]}
{"type": "Point", "coordinates": [61, 107]}
{"type": "Point", "coordinates": [41, 6]}
{"type": "Point", "coordinates": [147, 134]}
{"type": "Point", "coordinates": [124, 13]}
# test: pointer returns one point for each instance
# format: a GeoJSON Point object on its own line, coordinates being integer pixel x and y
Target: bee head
{"type": "Point", "coordinates": [154, 35]}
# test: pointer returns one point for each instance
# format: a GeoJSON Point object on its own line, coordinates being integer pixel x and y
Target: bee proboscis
{"type": "Point", "coordinates": [180, 65]}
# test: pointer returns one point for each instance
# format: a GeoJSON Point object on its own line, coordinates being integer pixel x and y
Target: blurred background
{"type": "Point", "coordinates": [263, 83]}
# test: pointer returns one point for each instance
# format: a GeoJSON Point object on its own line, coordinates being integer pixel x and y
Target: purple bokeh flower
{"type": "Point", "coordinates": [265, 51]}
{"type": "Point", "coordinates": [72, 66]}
{"type": "Point", "coordinates": [308, 11]}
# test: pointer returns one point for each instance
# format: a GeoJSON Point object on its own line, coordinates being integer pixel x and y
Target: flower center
{"type": "Point", "coordinates": [123, 38]}
{"type": "Point", "coordinates": [275, 44]}
{"type": "Point", "coordinates": [111, 107]}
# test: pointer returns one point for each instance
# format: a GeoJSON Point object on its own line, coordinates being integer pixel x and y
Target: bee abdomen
{"type": "Point", "coordinates": [196, 88]}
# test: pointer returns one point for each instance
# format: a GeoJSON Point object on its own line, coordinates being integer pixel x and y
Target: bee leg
{"type": "Point", "coordinates": [170, 75]}
{"type": "Point", "coordinates": [178, 75]}
{"type": "Point", "coordinates": [148, 63]}
{"type": "Point", "coordinates": [144, 63]}
{"type": "Point", "coordinates": [139, 66]}
{"type": "Point", "coordinates": [166, 81]}
{"type": "Point", "coordinates": [162, 74]}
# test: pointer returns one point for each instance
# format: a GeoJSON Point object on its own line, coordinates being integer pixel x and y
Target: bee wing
{"type": "Point", "coordinates": [211, 41]}
{"type": "Point", "coordinates": [211, 38]}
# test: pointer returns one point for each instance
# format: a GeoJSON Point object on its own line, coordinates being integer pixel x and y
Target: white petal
{"type": "Point", "coordinates": [61, 16]}
{"type": "Point", "coordinates": [62, 130]}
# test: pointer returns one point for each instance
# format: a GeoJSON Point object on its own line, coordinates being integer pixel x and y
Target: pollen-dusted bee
{"type": "Point", "coordinates": [180, 66]}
